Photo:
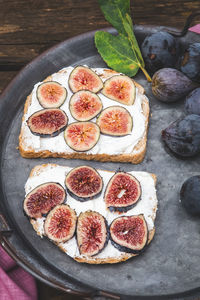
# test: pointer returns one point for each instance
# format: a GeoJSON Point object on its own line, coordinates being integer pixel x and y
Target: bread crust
{"type": "Point", "coordinates": [92, 260]}
{"type": "Point", "coordinates": [135, 157]}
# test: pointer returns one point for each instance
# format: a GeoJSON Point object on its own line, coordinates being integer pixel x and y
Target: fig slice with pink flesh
{"type": "Point", "coordinates": [92, 234]}
{"type": "Point", "coordinates": [43, 198]}
{"type": "Point", "coordinates": [85, 105]}
{"type": "Point", "coordinates": [129, 233]}
{"type": "Point", "coordinates": [82, 136]}
{"type": "Point", "coordinates": [51, 94]}
{"type": "Point", "coordinates": [122, 192]}
{"type": "Point", "coordinates": [115, 120]}
{"type": "Point", "coordinates": [84, 183]}
{"type": "Point", "coordinates": [83, 78]}
{"type": "Point", "coordinates": [120, 88]}
{"type": "Point", "coordinates": [48, 122]}
{"type": "Point", "coordinates": [60, 223]}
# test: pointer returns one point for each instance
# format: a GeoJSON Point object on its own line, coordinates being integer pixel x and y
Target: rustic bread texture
{"type": "Point", "coordinates": [135, 157]}
{"type": "Point", "coordinates": [92, 260]}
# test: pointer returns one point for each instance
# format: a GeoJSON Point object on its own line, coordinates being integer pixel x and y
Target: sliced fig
{"type": "Point", "coordinates": [129, 234]}
{"type": "Point", "coordinates": [60, 223]}
{"type": "Point", "coordinates": [83, 78]}
{"type": "Point", "coordinates": [48, 122]}
{"type": "Point", "coordinates": [115, 120]}
{"type": "Point", "coordinates": [120, 88]}
{"type": "Point", "coordinates": [82, 136]}
{"type": "Point", "coordinates": [84, 183]}
{"type": "Point", "coordinates": [51, 94]}
{"type": "Point", "coordinates": [85, 105]}
{"type": "Point", "coordinates": [122, 192]}
{"type": "Point", "coordinates": [43, 198]}
{"type": "Point", "coordinates": [92, 234]}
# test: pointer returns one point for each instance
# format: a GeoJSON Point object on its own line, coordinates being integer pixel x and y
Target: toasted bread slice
{"type": "Point", "coordinates": [146, 206]}
{"type": "Point", "coordinates": [129, 148]}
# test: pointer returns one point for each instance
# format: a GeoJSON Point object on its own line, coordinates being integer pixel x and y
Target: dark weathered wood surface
{"type": "Point", "coordinates": [28, 27]}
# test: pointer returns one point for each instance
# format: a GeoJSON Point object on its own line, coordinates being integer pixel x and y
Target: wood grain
{"type": "Point", "coordinates": [27, 28]}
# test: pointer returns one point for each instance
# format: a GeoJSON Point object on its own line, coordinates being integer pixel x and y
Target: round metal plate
{"type": "Point", "coordinates": [170, 264]}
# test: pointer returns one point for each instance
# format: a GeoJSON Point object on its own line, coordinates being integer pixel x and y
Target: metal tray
{"type": "Point", "coordinates": [169, 268]}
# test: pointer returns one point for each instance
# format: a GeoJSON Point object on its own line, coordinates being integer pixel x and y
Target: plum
{"type": "Point", "coordinates": [189, 195]}
{"type": "Point", "coordinates": [160, 50]}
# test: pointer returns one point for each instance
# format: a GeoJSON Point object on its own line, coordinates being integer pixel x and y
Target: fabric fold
{"type": "Point", "coordinates": [15, 283]}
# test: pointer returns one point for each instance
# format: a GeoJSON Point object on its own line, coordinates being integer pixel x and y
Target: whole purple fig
{"type": "Point", "coordinates": [192, 103]}
{"type": "Point", "coordinates": [170, 85]}
{"type": "Point", "coordinates": [160, 50]}
{"type": "Point", "coordinates": [190, 62]}
{"type": "Point", "coordinates": [183, 136]}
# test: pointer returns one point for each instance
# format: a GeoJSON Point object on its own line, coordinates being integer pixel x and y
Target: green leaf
{"type": "Point", "coordinates": [116, 52]}
{"type": "Point", "coordinates": [115, 12]}
{"type": "Point", "coordinates": [121, 52]}
{"type": "Point", "coordinates": [129, 21]}
{"type": "Point", "coordinates": [128, 26]}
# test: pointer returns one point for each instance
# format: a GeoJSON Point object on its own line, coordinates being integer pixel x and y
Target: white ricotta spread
{"type": "Point", "coordinates": [147, 205]}
{"type": "Point", "coordinates": [106, 144]}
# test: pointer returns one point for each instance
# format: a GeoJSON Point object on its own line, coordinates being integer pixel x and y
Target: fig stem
{"type": "Point", "coordinates": [148, 77]}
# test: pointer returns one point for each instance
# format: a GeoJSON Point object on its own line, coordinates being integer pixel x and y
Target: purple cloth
{"type": "Point", "coordinates": [195, 28]}
{"type": "Point", "coordinates": [15, 283]}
